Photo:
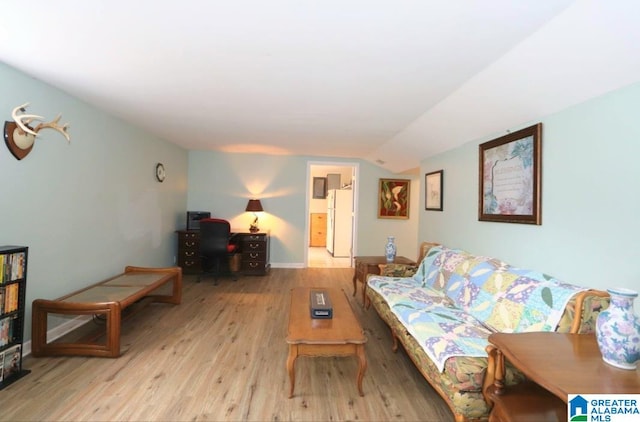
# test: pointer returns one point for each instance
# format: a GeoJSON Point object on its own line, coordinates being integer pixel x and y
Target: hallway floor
{"type": "Point", "coordinates": [320, 258]}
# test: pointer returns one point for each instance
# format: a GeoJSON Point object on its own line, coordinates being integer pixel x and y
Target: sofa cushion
{"type": "Point", "coordinates": [506, 298]}
{"type": "Point", "coordinates": [434, 254]}
{"type": "Point", "coordinates": [442, 329]}
{"type": "Point", "coordinates": [405, 290]}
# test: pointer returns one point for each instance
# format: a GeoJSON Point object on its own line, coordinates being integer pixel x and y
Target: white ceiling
{"type": "Point", "coordinates": [392, 81]}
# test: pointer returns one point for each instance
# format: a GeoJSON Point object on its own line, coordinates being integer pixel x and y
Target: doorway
{"type": "Point", "coordinates": [342, 177]}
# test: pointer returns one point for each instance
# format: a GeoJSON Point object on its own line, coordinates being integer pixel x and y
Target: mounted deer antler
{"type": "Point", "coordinates": [54, 125]}
{"type": "Point", "coordinates": [22, 120]}
{"type": "Point", "coordinates": [19, 136]}
{"type": "Point", "coordinates": [18, 118]}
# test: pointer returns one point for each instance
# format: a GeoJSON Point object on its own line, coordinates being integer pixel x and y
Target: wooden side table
{"type": "Point", "coordinates": [558, 364]}
{"type": "Point", "coordinates": [366, 265]}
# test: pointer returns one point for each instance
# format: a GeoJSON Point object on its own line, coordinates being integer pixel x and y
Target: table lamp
{"type": "Point", "coordinates": [254, 206]}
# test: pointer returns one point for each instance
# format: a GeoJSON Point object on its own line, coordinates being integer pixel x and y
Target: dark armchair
{"type": "Point", "coordinates": [216, 247]}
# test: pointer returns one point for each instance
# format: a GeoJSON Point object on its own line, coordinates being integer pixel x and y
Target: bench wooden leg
{"type": "Point", "coordinates": [41, 308]}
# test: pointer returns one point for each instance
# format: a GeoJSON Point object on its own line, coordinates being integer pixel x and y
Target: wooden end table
{"type": "Point", "coordinates": [341, 335]}
{"type": "Point", "coordinates": [366, 265]}
{"type": "Point", "coordinates": [558, 364]}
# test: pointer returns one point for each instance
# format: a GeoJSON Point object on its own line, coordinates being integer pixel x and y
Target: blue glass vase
{"type": "Point", "coordinates": [618, 330]}
{"type": "Point", "coordinates": [390, 249]}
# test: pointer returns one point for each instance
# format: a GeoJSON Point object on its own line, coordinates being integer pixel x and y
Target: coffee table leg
{"type": "Point", "coordinates": [291, 361]}
{"type": "Point", "coordinates": [362, 366]}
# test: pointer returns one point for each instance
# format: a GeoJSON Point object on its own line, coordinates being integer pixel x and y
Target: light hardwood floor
{"type": "Point", "coordinates": [220, 356]}
{"type": "Point", "coordinates": [319, 257]}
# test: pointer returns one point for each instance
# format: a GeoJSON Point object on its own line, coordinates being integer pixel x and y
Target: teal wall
{"type": "Point", "coordinates": [590, 198]}
{"type": "Point", "coordinates": [89, 208]}
{"type": "Point", "coordinates": [223, 182]}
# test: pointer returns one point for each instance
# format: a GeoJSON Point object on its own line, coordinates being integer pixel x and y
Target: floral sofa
{"type": "Point", "coordinates": [444, 310]}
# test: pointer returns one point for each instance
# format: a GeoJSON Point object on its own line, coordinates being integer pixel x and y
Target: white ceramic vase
{"type": "Point", "coordinates": [618, 330]}
{"type": "Point", "coordinates": [390, 249]}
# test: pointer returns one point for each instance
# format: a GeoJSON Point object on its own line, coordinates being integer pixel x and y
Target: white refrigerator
{"type": "Point", "coordinates": [339, 222]}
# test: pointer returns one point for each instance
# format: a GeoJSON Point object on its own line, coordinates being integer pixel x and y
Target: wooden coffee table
{"type": "Point", "coordinates": [341, 335]}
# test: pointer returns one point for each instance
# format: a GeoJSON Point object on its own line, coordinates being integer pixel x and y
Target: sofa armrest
{"type": "Point", "coordinates": [424, 248]}
{"type": "Point", "coordinates": [582, 311]}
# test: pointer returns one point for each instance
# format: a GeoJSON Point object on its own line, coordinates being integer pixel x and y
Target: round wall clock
{"type": "Point", "coordinates": [160, 173]}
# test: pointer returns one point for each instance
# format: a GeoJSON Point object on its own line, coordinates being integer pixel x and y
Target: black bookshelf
{"type": "Point", "coordinates": [13, 288]}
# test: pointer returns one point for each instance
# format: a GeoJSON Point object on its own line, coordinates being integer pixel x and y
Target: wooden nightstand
{"type": "Point", "coordinates": [255, 252]}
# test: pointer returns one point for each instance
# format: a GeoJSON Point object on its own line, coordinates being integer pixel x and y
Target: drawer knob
{"type": "Point", "coordinates": [253, 255]}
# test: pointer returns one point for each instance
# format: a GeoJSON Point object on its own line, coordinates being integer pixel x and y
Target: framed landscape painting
{"type": "Point", "coordinates": [510, 177]}
{"type": "Point", "coordinates": [393, 198]}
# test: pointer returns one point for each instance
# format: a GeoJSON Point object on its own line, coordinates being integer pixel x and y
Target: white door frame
{"type": "Point", "coordinates": [355, 171]}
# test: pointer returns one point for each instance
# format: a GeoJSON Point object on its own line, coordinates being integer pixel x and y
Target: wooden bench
{"type": "Point", "coordinates": [106, 299]}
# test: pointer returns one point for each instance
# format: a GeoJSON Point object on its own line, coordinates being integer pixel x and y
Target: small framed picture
{"type": "Point", "coordinates": [433, 191]}
{"type": "Point", "coordinates": [319, 187]}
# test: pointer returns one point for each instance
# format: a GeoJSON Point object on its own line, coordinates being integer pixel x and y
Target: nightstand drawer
{"type": "Point", "coordinates": [189, 265]}
{"type": "Point", "coordinates": [254, 256]}
{"type": "Point", "coordinates": [254, 237]}
{"type": "Point", "coordinates": [257, 267]}
{"type": "Point", "coordinates": [254, 246]}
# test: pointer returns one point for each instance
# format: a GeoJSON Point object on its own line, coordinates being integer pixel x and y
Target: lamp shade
{"type": "Point", "coordinates": [254, 205]}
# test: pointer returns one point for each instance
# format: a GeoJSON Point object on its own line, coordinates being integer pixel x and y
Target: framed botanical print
{"type": "Point", "coordinates": [510, 177]}
{"type": "Point", "coordinates": [433, 191]}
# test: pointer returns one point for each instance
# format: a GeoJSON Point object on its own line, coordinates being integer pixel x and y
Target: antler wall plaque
{"type": "Point", "coordinates": [19, 136]}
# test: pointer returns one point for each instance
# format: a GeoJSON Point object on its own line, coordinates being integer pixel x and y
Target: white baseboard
{"type": "Point", "coordinates": [59, 331]}
{"type": "Point", "coordinates": [288, 265]}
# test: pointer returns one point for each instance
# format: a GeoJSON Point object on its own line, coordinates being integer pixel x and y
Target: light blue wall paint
{"type": "Point", "coordinates": [590, 198]}
{"type": "Point", "coordinates": [223, 182]}
{"type": "Point", "coordinates": [88, 208]}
